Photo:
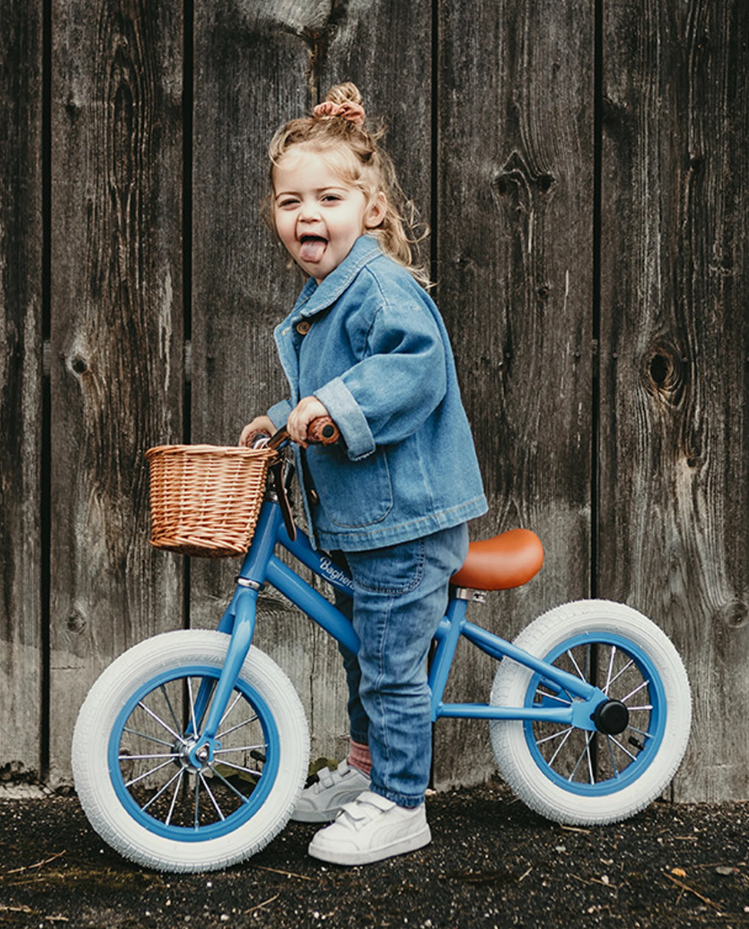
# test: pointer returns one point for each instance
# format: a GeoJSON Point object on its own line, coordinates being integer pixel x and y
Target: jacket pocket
{"type": "Point", "coordinates": [352, 494]}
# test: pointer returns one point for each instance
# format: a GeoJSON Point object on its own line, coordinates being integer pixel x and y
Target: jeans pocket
{"type": "Point", "coordinates": [393, 570]}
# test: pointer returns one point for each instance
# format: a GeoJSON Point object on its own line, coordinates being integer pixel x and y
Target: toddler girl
{"type": "Point", "coordinates": [365, 345]}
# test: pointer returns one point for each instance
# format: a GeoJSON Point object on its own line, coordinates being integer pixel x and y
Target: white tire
{"type": "Point", "coordinates": [129, 759]}
{"type": "Point", "coordinates": [575, 776]}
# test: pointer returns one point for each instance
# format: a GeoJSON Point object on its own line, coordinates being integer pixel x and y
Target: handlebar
{"type": "Point", "coordinates": [321, 431]}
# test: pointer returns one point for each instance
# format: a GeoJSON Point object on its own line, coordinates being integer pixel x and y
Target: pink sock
{"type": "Point", "coordinates": [360, 758]}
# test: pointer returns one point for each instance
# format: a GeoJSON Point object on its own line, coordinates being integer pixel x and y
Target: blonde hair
{"type": "Point", "coordinates": [338, 128]}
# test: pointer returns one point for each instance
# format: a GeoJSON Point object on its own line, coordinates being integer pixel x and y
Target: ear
{"type": "Point", "coordinates": [376, 212]}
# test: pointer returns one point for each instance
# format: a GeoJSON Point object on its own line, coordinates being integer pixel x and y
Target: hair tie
{"type": "Point", "coordinates": [352, 112]}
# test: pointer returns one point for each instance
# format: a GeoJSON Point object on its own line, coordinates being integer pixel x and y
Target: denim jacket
{"type": "Point", "coordinates": [370, 344]}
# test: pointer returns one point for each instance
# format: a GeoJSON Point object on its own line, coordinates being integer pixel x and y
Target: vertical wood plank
{"type": "Point", "coordinates": [515, 249]}
{"type": "Point", "coordinates": [383, 47]}
{"type": "Point", "coordinates": [287, 56]}
{"type": "Point", "coordinates": [117, 373]}
{"type": "Point", "coordinates": [675, 344]}
{"type": "Point", "coordinates": [21, 650]}
{"type": "Point", "coordinates": [252, 67]}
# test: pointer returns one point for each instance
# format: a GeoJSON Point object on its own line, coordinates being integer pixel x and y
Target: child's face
{"type": "Point", "coordinates": [318, 215]}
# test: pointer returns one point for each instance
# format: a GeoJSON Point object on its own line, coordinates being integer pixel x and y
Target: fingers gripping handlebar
{"type": "Point", "coordinates": [321, 431]}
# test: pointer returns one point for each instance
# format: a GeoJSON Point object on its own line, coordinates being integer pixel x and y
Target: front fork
{"type": "Point", "coordinates": [239, 622]}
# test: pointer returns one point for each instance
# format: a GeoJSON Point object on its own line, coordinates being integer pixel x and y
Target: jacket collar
{"type": "Point", "coordinates": [316, 297]}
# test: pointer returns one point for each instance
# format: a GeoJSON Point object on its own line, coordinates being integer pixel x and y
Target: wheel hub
{"type": "Point", "coordinates": [611, 717]}
{"type": "Point", "coordinates": [194, 755]}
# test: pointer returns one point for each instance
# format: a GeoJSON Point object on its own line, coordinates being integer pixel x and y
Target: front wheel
{"type": "Point", "coordinates": [578, 776]}
{"type": "Point", "coordinates": [144, 790]}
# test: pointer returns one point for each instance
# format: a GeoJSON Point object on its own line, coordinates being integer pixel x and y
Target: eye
{"type": "Point", "coordinates": [286, 203]}
{"type": "Point", "coordinates": [331, 198]}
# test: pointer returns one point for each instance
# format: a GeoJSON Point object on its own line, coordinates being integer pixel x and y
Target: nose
{"type": "Point", "coordinates": [308, 212]}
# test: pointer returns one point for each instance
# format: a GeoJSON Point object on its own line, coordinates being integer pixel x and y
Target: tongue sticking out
{"type": "Point", "coordinates": [312, 249]}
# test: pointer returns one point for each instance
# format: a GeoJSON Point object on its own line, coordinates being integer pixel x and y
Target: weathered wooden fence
{"type": "Point", "coordinates": [584, 169]}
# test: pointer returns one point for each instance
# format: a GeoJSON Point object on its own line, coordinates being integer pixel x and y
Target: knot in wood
{"type": "Point", "coordinates": [664, 373]}
{"type": "Point", "coordinates": [78, 364]}
{"type": "Point", "coordinates": [733, 614]}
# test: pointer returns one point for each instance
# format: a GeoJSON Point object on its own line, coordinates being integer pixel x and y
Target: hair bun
{"type": "Point", "coordinates": [344, 93]}
{"type": "Point", "coordinates": [343, 100]}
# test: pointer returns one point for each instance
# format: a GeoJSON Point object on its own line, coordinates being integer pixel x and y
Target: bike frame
{"type": "Point", "coordinates": [261, 566]}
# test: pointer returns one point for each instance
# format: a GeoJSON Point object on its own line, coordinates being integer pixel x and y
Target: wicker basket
{"type": "Point", "coordinates": [205, 499]}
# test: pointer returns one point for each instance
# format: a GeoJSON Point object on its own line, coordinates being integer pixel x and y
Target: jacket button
{"type": "Point", "coordinates": [303, 327]}
{"type": "Point", "coordinates": [313, 497]}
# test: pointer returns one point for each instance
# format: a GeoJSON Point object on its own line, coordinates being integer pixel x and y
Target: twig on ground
{"type": "Point", "coordinates": [691, 890]}
{"type": "Point", "coordinates": [265, 902]}
{"type": "Point", "coordinates": [302, 877]}
{"type": "Point", "coordinates": [38, 864]}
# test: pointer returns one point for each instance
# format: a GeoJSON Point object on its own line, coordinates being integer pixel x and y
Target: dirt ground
{"type": "Point", "coordinates": [492, 863]}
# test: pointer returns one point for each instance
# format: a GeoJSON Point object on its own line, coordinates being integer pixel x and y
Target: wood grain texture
{"type": "Point", "coordinates": [251, 74]}
{"type": "Point", "coordinates": [515, 248]}
{"type": "Point", "coordinates": [583, 167]}
{"type": "Point", "coordinates": [116, 377]}
{"type": "Point", "coordinates": [21, 295]}
{"type": "Point", "coordinates": [256, 66]}
{"type": "Point", "coordinates": [675, 335]}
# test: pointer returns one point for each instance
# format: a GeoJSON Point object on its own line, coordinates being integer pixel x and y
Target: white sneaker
{"type": "Point", "coordinates": [322, 802]}
{"type": "Point", "coordinates": [370, 829]}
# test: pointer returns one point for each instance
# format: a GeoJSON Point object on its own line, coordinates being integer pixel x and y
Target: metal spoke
{"type": "Point", "coordinates": [191, 700]}
{"type": "Point", "coordinates": [238, 767]}
{"type": "Point", "coordinates": [619, 673]}
{"type": "Point", "coordinates": [161, 722]}
{"type": "Point", "coordinates": [635, 691]}
{"type": "Point", "coordinates": [197, 803]}
{"type": "Point", "coordinates": [623, 748]}
{"type": "Point", "coordinates": [216, 807]}
{"type": "Point", "coordinates": [610, 668]}
{"type": "Point", "coordinates": [141, 777]}
{"type": "Point", "coordinates": [178, 787]}
{"type": "Point", "coordinates": [560, 747]}
{"type": "Point", "coordinates": [240, 748]}
{"type": "Point", "coordinates": [642, 732]}
{"type": "Point", "coordinates": [231, 706]}
{"type": "Point", "coordinates": [165, 693]}
{"type": "Point", "coordinates": [128, 757]}
{"type": "Point", "coordinates": [160, 792]}
{"type": "Point", "coordinates": [555, 735]}
{"type": "Point", "coordinates": [611, 756]}
{"type": "Point", "coordinates": [144, 735]}
{"type": "Point", "coordinates": [564, 700]}
{"type": "Point", "coordinates": [231, 787]}
{"type": "Point", "coordinates": [575, 665]}
{"type": "Point", "coordinates": [226, 732]}
{"type": "Point", "coordinates": [583, 754]}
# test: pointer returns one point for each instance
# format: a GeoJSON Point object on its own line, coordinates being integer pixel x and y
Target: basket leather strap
{"type": "Point", "coordinates": [277, 471]}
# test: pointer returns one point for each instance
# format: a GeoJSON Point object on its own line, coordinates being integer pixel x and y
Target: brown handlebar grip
{"type": "Point", "coordinates": [323, 431]}
{"type": "Point", "coordinates": [253, 437]}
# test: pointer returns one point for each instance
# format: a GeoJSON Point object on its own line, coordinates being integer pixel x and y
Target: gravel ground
{"type": "Point", "coordinates": [491, 863]}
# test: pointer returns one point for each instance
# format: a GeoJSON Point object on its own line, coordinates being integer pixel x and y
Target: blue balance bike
{"type": "Point", "coordinates": [191, 749]}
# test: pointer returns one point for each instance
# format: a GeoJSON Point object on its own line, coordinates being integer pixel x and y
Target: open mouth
{"type": "Point", "coordinates": [312, 247]}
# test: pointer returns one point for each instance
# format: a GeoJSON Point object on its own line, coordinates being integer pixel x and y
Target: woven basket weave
{"type": "Point", "coordinates": [206, 499]}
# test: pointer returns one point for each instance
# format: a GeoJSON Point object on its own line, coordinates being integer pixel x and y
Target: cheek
{"type": "Point", "coordinates": [284, 227]}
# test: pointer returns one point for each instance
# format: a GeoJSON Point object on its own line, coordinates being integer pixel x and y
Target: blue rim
{"type": "Point", "coordinates": [240, 816]}
{"type": "Point", "coordinates": [656, 727]}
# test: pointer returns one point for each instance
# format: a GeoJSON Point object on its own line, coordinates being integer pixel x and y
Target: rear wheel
{"type": "Point", "coordinates": [140, 782]}
{"type": "Point", "coordinates": [574, 775]}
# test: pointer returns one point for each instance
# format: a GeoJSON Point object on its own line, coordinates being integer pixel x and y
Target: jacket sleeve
{"type": "Point", "coordinates": [400, 381]}
{"type": "Point", "coordinates": [279, 413]}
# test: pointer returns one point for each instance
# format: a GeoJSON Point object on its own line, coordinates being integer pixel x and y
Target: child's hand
{"type": "Point", "coordinates": [258, 424]}
{"type": "Point", "coordinates": [301, 416]}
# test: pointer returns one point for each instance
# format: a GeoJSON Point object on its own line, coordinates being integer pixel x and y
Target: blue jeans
{"type": "Point", "coordinates": [400, 597]}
